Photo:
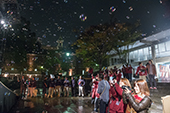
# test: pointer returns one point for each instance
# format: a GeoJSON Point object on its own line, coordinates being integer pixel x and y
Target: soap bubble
{"type": "Point", "coordinates": [113, 9]}
{"type": "Point", "coordinates": [83, 17]}
{"type": "Point", "coordinates": [130, 8]}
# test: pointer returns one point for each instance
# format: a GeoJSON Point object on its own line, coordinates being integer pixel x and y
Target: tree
{"type": "Point", "coordinates": [51, 61]}
{"type": "Point", "coordinates": [96, 41]}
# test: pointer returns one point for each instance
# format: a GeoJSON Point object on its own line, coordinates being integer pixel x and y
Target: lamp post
{"type": "Point", "coordinates": [68, 54]}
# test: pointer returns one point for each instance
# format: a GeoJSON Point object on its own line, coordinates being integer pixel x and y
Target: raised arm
{"type": "Point", "coordinates": [145, 103]}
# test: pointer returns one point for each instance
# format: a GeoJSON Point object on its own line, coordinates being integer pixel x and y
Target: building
{"type": "Point", "coordinates": [155, 47]}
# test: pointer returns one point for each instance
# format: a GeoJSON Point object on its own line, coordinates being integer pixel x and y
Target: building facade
{"type": "Point", "coordinates": [155, 47]}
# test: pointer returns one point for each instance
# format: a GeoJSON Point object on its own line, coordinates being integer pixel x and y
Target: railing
{"type": "Point", "coordinates": [7, 98]}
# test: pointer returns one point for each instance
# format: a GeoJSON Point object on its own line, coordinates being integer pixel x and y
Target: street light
{"type": "Point", "coordinates": [2, 22]}
{"type": "Point", "coordinates": [67, 54]}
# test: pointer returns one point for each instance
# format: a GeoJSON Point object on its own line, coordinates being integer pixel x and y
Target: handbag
{"type": "Point", "coordinates": [134, 75]}
{"type": "Point", "coordinates": [129, 109]}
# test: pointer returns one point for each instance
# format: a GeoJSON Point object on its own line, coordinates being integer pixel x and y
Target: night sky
{"type": "Point", "coordinates": [54, 18]}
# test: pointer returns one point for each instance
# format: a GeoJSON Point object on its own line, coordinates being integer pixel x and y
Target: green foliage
{"type": "Point", "coordinates": [96, 41]}
{"type": "Point", "coordinates": [51, 61]}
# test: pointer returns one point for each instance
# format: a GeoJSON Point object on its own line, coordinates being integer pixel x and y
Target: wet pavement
{"type": "Point", "coordinates": [53, 105]}
{"type": "Point", "coordinates": [78, 104]}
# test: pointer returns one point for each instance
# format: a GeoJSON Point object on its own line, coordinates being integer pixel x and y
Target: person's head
{"type": "Point", "coordinates": [33, 78]}
{"type": "Point", "coordinates": [45, 78]}
{"type": "Point", "coordinates": [66, 78]}
{"type": "Point", "coordinates": [105, 76]}
{"type": "Point", "coordinates": [140, 63]}
{"type": "Point", "coordinates": [22, 76]}
{"type": "Point", "coordinates": [58, 77]}
{"type": "Point", "coordinates": [150, 62]}
{"type": "Point", "coordinates": [72, 78]}
{"type": "Point", "coordinates": [80, 77]}
{"type": "Point", "coordinates": [62, 77]}
{"type": "Point", "coordinates": [101, 77]}
{"type": "Point", "coordinates": [140, 86]}
{"type": "Point", "coordinates": [126, 65]}
{"type": "Point", "coordinates": [124, 82]}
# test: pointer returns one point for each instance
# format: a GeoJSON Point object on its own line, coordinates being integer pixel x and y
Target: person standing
{"type": "Point", "coordinates": [62, 86]}
{"type": "Point", "coordinates": [141, 101]}
{"type": "Point", "coordinates": [66, 87]}
{"type": "Point", "coordinates": [45, 87]}
{"type": "Point", "coordinates": [141, 71]}
{"type": "Point", "coordinates": [28, 86]}
{"type": "Point", "coordinates": [73, 86]}
{"type": "Point", "coordinates": [152, 73]}
{"type": "Point", "coordinates": [22, 86]}
{"type": "Point", "coordinates": [58, 86]}
{"type": "Point", "coordinates": [90, 71]}
{"type": "Point", "coordinates": [130, 73]}
{"type": "Point", "coordinates": [124, 71]}
{"type": "Point", "coordinates": [81, 84]}
{"type": "Point", "coordinates": [103, 90]}
{"type": "Point", "coordinates": [33, 86]}
{"type": "Point", "coordinates": [51, 86]}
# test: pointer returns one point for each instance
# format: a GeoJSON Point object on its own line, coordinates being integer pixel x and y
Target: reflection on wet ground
{"type": "Point", "coordinates": [78, 104]}
{"type": "Point", "coordinates": [53, 105]}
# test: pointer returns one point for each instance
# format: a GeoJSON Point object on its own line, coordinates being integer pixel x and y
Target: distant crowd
{"type": "Point", "coordinates": [58, 86]}
{"type": "Point", "coordinates": [110, 91]}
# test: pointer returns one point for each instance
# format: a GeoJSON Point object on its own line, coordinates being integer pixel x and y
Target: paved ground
{"type": "Point", "coordinates": [78, 104]}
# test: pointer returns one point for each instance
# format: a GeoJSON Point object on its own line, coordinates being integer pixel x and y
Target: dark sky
{"type": "Point", "coordinates": [53, 18]}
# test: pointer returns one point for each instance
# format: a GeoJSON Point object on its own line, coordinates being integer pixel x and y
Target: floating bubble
{"type": "Point", "coordinates": [127, 17]}
{"type": "Point", "coordinates": [143, 34]}
{"type": "Point", "coordinates": [154, 26]}
{"type": "Point", "coordinates": [113, 9]}
{"type": "Point", "coordinates": [83, 17]}
{"type": "Point", "coordinates": [8, 11]}
{"type": "Point", "coordinates": [130, 8]}
{"type": "Point", "coordinates": [65, 1]}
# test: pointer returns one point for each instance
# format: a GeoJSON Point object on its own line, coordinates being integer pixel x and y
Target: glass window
{"type": "Point", "coordinates": [145, 50]}
{"type": "Point", "coordinates": [167, 45]}
{"type": "Point", "coordinates": [156, 49]}
{"type": "Point", "coordinates": [161, 47]}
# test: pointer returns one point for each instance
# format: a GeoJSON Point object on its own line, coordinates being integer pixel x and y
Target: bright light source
{"type": "Point", "coordinates": [5, 75]}
{"type": "Point", "coordinates": [67, 54]}
{"type": "Point", "coordinates": [42, 67]}
{"type": "Point", "coordinates": [2, 22]}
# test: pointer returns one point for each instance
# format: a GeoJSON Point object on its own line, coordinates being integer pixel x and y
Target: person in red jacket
{"type": "Point", "coordinates": [118, 75]}
{"type": "Point", "coordinates": [96, 95]}
{"type": "Point", "coordinates": [116, 104]}
{"type": "Point", "coordinates": [141, 71]}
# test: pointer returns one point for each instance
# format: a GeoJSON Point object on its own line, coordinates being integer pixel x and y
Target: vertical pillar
{"type": "Point", "coordinates": [153, 53]}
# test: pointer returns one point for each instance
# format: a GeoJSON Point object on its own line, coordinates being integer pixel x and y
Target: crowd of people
{"type": "Point", "coordinates": [112, 93]}
{"type": "Point", "coordinates": [53, 86]}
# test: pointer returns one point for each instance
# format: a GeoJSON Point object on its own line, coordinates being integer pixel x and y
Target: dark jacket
{"type": "Point", "coordinates": [58, 82]}
{"type": "Point", "coordinates": [33, 83]}
{"type": "Point", "coordinates": [51, 83]}
{"type": "Point", "coordinates": [73, 83]}
{"type": "Point", "coordinates": [141, 107]}
{"type": "Point", "coordinates": [22, 83]}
